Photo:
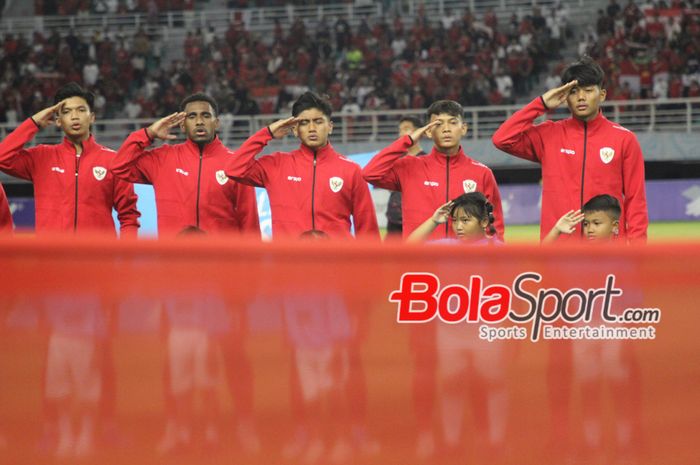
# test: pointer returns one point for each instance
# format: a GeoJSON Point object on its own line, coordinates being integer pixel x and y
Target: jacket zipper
{"type": "Point", "coordinates": [447, 192]}
{"type": "Point", "coordinates": [583, 166]}
{"type": "Point", "coordinates": [199, 182]}
{"type": "Point", "coordinates": [313, 190]}
{"type": "Point", "coordinates": [75, 216]}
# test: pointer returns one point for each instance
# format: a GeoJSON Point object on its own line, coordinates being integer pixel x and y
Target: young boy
{"type": "Point", "coordinates": [73, 188]}
{"type": "Point", "coordinates": [581, 156]}
{"type": "Point", "coordinates": [600, 217]}
{"type": "Point", "coordinates": [190, 185]}
{"type": "Point", "coordinates": [428, 182]}
{"type": "Point", "coordinates": [313, 187]}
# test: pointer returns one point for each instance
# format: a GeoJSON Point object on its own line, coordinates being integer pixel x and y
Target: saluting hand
{"type": "Point", "coordinates": [568, 222]}
{"type": "Point", "coordinates": [46, 116]}
{"type": "Point", "coordinates": [282, 127]}
{"type": "Point", "coordinates": [161, 128]}
{"type": "Point", "coordinates": [555, 97]}
{"type": "Point", "coordinates": [420, 132]}
{"type": "Point", "coordinates": [442, 214]}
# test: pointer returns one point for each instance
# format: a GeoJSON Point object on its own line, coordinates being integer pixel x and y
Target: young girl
{"type": "Point", "coordinates": [472, 220]}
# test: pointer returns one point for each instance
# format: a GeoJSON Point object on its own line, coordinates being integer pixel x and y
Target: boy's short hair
{"type": "Point", "coordinates": [309, 100]}
{"type": "Point", "coordinates": [586, 71]}
{"type": "Point", "coordinates": [73, 89]}
{"type": "Point", "coordinates": [603, 203]}
{"type": "Point", "coordinates": [414, 120]}
{"type": "Point", "coordinates": [200, 97]}
{"type": "Point", "coordinates": [449, 107]}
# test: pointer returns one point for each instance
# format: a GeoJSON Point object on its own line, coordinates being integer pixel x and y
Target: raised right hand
{"type": "Point", "coordinates": [555, 97]}
{"type": "Point", "coordinates": [282, 127]}
{"type": "Point", "coordinates": [161, 128]}
{"type": "Point", "coordinates": [46, 116]}
{"type": "Point", "coordinates": [420, 132]}
{"type": "Point", "coordinates": [442, 214]}
{"type": "Point", "coordinates": [568, 222]}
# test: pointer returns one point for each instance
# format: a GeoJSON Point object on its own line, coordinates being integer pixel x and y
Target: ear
{"type": "Point", "coordinates": [603, 94]}
{"type": "Point", "coordinates": [216, 124]}
{"type": "Point", "coordinates": [330, 125]}
{"type": "Point", "coordinates": [465, 128]}
{"type": "Point", "coordinates": [484, 224]}
{"type": "Point", "coordinates": [92, 117]}
{"type": "Point", "coordinates": [616, 227]}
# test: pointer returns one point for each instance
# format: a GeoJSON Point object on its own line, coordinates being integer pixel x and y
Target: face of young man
{"type": "Point", "coordinates": [599, 226]}
{"type": "Point", "coordinates": [448, 134]}
{"type": "Point", "coordinates": [313, 128]}
{"type": "Point", "coordinates": [200, 124]}
{"type": "Point", "coordinates": [584, 102]}
{"type": "Point", "coordinates": [75, 118]}
{"type": "Point", "coordinates": [467, 227]}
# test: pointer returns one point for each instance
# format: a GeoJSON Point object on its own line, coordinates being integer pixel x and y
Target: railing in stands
{"type": "Point", "coordinates": [263, 19]}
{"type": "Point", "coordinates": [671, 115]}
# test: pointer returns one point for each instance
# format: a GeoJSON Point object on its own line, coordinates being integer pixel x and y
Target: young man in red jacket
{"type": "Point", "coordinates": [5, 214]}
{"type": "Point", "coordinates": [313, 187]}
{"type": "Point", "coordinates": [581, 156]}
{"type": "Point", "coordinates": [73, 188]}
{"type": "Point", "coordinates": [190, 186]}
{"type": "Point", "coordinates": [430, 181]}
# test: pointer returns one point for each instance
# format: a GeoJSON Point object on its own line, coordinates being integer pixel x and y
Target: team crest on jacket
{"type": "Point", "coordinates": [469, 185]}
{"type": "Point", "coordinates": [221, 177]}
{"type": "Point", "coordinates": [99, 172]}
{"type": "Point", "coordinates": [336, 183]}
{"type": "Point", "coordinates": [607, 154]}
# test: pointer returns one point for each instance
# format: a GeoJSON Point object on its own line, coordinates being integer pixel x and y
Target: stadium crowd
{"type": "Point", "coordinates": [486, 63]}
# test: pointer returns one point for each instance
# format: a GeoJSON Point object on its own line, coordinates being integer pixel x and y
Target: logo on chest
{"type": "Point", "coordinates": [56, 169]}
{"type": "Point", "coordinates": [336, 183]}
{"type": "Point", "coordinates": [607, 154]}
{"type": "Point", "coordinates": [221, 177]}
{"type": "Point", "coordinates": [182, 172]}
{"type": "Point", "coordinates": [431, 183]}
{"type": "Point", "coordinates": [469, 185]}
{"type": "Point", "coordinates": [294, 178]}
{"type": "Point", "coordinates": [99, 172]}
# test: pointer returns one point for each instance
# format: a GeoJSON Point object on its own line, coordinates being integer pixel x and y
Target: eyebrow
{"type": "Point", "coordinates": [194, 113]}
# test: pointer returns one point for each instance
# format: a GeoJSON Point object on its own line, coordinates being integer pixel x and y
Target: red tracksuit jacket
{"type": "Point", "coordinates": [71, 193]}
{"type": "Point", "coordinates": [579, 160]}
{"type": "Point", "coordinates": [308, 190]}
{"type": "Point", "coordinates": [190, 186]}
{"type": "Point", "coordinates": [5, 214]}
{"type": "Point", "coordinates": [427, 182]}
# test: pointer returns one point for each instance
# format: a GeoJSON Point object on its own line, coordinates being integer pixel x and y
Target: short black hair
{"type": "Point", "coordinates": [200, 97]}
{"type": "Point", "coordinates": [586, 71]}
{"type": "Point", "coordinates": [309, 100]}
{"type": "Point", "coordinates": [603, 203]}
{"type": "Point", "coordinates": [414, 120]}
{"type": "Point", "coordinates": [475, 204]}
{"type": "Point", "coordinates": [73, 89]}
{"type": "Point", "coordinates": [449, 107]}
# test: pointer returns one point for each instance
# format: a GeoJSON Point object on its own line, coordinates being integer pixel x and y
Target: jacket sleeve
{"type": "Point", "coordinates": [247, 209]}
{"type": "Point", "coordinates": [363, 214]}
{"type": "Point", "coordinates": [133, 162]}
{"type": "Point", "coordinates": [243, 167]}
{"type": "Point", "coordinates": [125, 204]}
{"type": "Point", "coordinates": [519, 136]}
{"type": "Point", "coordinates": [494, 195]}
{"type": "Point", "coordinates": [15, 160]}
{"type": "Point", "coordinates": [380, 170]}
{"type": "Point", "coordinates": [635, 198]}
{"type": "Point", "coordinates": [5, 214]}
